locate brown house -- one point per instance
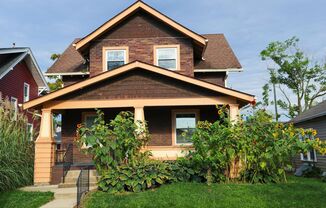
(144, 62)
(313, 118)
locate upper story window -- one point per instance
(167, 56)
(26, 92)
(115, 57)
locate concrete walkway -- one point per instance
(63, 197)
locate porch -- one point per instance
(165, 123)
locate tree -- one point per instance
(297, 73)
(55, 82)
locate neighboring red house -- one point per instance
(21, 79)
(144, 62)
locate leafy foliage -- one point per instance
(215, 147)
(258, 149)
(16, 149)
(297, 73)
(136, 176)
(115, 143)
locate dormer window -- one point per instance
(167, 56)
(115, 57)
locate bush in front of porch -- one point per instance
(256, 150)
(16, 148)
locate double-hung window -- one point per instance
(14, 104)
(30, 131)
(115, 57)
(185, 125)
(167, 57)
(26, 92)
(309, 156)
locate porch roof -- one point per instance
(244, 97)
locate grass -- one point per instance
(298, 192)
(14, 199)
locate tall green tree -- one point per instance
(297, 73)
(55, 82)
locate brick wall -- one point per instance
(140, 33)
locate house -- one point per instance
(141, 61)
(313, 118)
(21, 79)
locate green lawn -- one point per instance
(17, 199)
(298, 192)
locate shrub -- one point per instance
(182, 170)
(312, 172)
(268, 147)
(114, 143)
(257, 148)
(136, 176)
(16, 150)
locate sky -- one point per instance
(48, 26)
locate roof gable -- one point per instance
(314, 112)
(134, 66)
(131, 10)
(12, 56)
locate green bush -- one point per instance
(257, 149)
(312, 172)
(115, 143)
(136, 176)
(16, 150)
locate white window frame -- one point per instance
(26, 98)
(14, 101)
(30, 131)
(308, 154)
(177, 47)
(125, 49)
(174, 124)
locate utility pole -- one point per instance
(272, 73)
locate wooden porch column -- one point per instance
(44, 150)
(234, 112)
(139, 113)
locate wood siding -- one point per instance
(212, 77)
(139, 84)
(140, 33)
(12, 85)
(68, 80)
(320, 125)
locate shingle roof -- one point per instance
(218, 55)
(314, 112)
(69, 61)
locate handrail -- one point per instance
(82, 184)
(67, 160)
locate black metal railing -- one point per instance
(67, 160)
(82, 184)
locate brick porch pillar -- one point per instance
(44, 150)
(234, 112)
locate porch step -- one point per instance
(72, 177)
